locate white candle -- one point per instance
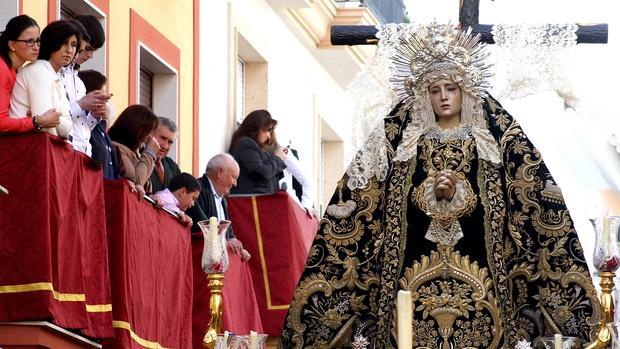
(215, 252)
(606, 227)
(253, 340)
(404, 312)
(557, 341)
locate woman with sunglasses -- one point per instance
(260, 170)
(39, 87)
(19, 43)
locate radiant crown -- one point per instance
(438, 49)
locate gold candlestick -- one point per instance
(603, 337)
(216, 282)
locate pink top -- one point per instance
(168, 199)
(7, 124)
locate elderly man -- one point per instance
(165, 167)
(221, 175)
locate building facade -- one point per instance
(206, 64)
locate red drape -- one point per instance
(151, 268)
(278, 234)
(240, 313)
(53, 248)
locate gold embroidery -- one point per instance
(453, 298)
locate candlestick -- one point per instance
(404, 312)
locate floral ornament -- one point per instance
(360, 342)
(523, 344)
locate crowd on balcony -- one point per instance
(42, 88)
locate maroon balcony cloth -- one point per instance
(53, 245)
(151, 273)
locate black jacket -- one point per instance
(205, 208)
(259, 171)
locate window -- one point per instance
(146, 87)
(72, 8)
(158, 87)
(10, 9)
(251, 72)
(332, 153)
(152, 52)
(240, 91)
(66, 12)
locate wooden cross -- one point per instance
(468, 17)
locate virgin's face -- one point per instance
(64, 54)
(21, 48)
(446, 99)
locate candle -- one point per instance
(215, 252)
(253, 340)
(404, 313)
(606, 227)
(225, 340)
(557, 341)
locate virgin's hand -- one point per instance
(50, 118)
(445, 185)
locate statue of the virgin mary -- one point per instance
(450, 200)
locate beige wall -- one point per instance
(174, 20)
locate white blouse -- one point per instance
(38, 88)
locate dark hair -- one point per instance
(133, 125)
(94, 29)
(80, 27)
(251, 125)
(14, 28)
(92, 79)
(55, 35)
(184, 180)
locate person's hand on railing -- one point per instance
(185, 219)
(137, 189)
(158, 203)
(311, 212)
(235, 245)
(245, 255)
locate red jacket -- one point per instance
(7, 80)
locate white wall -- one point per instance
(214, 84)
(298, 86)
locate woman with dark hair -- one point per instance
(39, 87)
(259, 169)
(133, 128)
(19, 43)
